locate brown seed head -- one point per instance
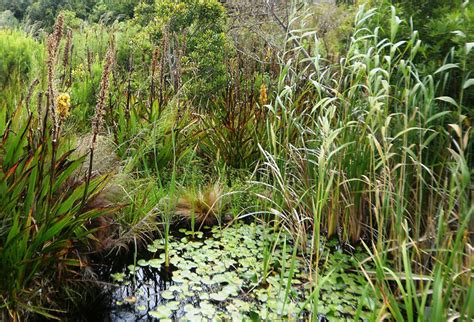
(104, 90)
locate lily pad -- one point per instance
(173, 305)
(118, 277)
(156, 262)
(168, 295)
(221, 296)
(161, 312)
(207, 309)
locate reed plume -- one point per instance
(154, 64)
(27, 105)
(263, 95)
(98, 119)
(53, 47)
(165, 48)
(30, 93)
(67, 53)
(90, 61)
(129, 87)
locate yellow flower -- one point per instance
(79, 71)
(63, 104)
(263, 95)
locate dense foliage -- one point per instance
(18, 52)
(44, 12)
(347, 125)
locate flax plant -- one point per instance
(42, 218)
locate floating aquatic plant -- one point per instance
(211, 275)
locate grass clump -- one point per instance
(352, 153)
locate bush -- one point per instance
(19, 54)
(8, 20)
(194, 32)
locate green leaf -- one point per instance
(447, 99)
(167, 295)
(446, 67)
(468, 83)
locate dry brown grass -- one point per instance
(205, 206)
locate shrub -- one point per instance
(8, 20)
(194, 31)
(19, 56)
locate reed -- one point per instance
(369, 149)
(98, 119)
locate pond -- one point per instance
(218, 275)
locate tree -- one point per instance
(194, 33)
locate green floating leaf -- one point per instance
(152, 248)
(173, 305)
(118, 277)
(178, 278)
(175, 288)
(161, 312)
(207, 309)
(167, 295)
(132, 268)
(230, 290)
(190, 309)
(221, 296)
(156, 262)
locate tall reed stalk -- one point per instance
(372, 149)
(100, 111)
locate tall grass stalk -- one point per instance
(373, 149)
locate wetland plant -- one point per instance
(348, 173)
(373, 148)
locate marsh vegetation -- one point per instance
(196, 160)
